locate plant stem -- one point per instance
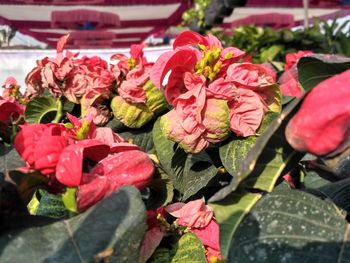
(59, 111)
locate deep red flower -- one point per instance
(40, 146)
(321, 125)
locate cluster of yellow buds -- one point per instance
(209, 65)
(82, 132)
(131, 63)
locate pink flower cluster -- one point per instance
(95, 160)
(10, 102)
(197, 217)
(81, 80)
(210, 91)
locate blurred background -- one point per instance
(266, 29)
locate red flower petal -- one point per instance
(322, 123)
(70, 166)
(189, 38)
(182, 58)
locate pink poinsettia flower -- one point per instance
(199, 218)
(193, 214)
(134, 72)
(208, 90)
(187, 56)
(289, 79)
(293, 58)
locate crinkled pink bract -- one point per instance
(77, 79)
(199, 217)
(209, 89)
(193, 214)
(322, 123)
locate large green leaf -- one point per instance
(189, 172)
(110, 230)
(229, 213)
(41, 110)
(187, 249)
(232, 153)
(316, 68)
(266, 160)
(292, 226)
(338, 191)
(141, 137)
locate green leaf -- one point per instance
(189, 172)
(133, 115)
(161, 255)
(141, 137)
(116, 125)
(291, 226)
(270, 53)
(232, 153)
(110, 230)
(318, 184)
(229, 213)
(189, 249)
(41, 110)
(45, 204)
(316, 68)
(266, 160)
(161, 190)
(69, 200)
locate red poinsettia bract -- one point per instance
(96, 161)
(322, 124)
(289, 78)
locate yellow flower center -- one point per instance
(131, 63)
(83, 131)
(209, 66)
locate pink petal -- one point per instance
(106, 135)
(131, 92)
(209, 235)
(61, 43)
(246, 113)
(213, 41)
(172, 127)
(189, 38)
(176, 85)
(289, 83)
(182, 58)
(193, 214)
(151, 241)
(136, 51)
(221, 89)
(70, 165)
(89, 194)
(132, 167)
